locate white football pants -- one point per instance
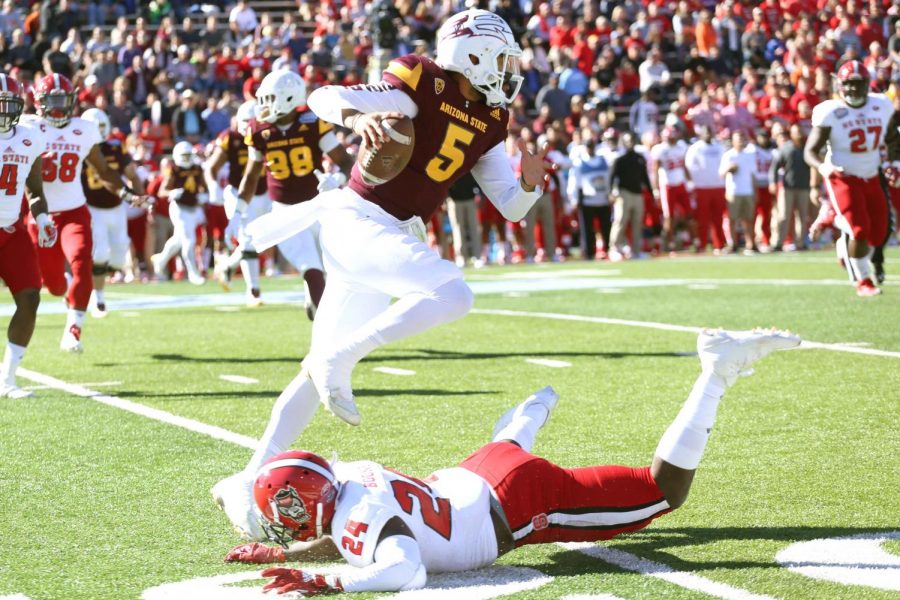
(301, 250)
(185, 220)
(109, 230)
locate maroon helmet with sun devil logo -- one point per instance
(852, 82)
(54, 96)
(296, 492)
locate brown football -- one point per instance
(380, 166)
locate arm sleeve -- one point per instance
(330, 101)
(328, 140)
(496, 178)
(398, 566)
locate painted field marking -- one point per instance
(129, 314)
(394, 371)
(238, 379)
(549, 362)
(228, 309)
(47, 387)
(631, 562)
(516, 294)
(591, 597)
(702, 286)
(853, 348)
(15, 597)
(851, 560)
(606, 290)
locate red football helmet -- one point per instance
(54, 96)
(852, 82)
(296, 493)
(11, 102)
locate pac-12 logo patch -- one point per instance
(841, 113)
(26, 142)
(266, 133)
(76, 131)
(438, 86)
(540, 522)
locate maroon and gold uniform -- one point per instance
(96, 193)
(291, 155)
(191, 181)
(452, 134)
(236, 153)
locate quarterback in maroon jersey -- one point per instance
(372, 237)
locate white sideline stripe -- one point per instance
(238, 379)
(852, 348)
(130, 314)
(139, 409)
(15, 597)
(47, 387)
(591, 597)
(227, 308)
(549, 362)
(394, 371)
(631, 562)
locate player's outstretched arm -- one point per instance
(362, 108)
(512, 197)
(110, 179)
(34, 184)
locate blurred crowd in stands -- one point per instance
(690, 89)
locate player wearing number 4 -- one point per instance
(372, 236)
(70, 142)
(854, 128)
(395, 529)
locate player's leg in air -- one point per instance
(545, 503)
(245, 255)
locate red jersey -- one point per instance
(94, 191)
(291, 155)
(452, 134)
(232, 144)
(190, 180)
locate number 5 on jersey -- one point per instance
(451, 155)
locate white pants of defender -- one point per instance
(370, 257)
(258, 206)
(109, 230)
(302, 250)
(186, 220)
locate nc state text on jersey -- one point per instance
(460, 115)
(15, 158)
(860, 121)
(63, 147)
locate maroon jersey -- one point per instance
(291, 155)
(190, 180)
(232, 144)
(94, 191)
(452, 134)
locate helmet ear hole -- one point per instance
(475, 60)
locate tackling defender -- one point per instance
(20, 171)
(854, 128)
(372, 236)
(395, 529)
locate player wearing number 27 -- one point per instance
(372, 236)
(70, 141)
(855, 127)
(396, 529)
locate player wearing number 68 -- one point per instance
(372, 236)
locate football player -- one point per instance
(290, 141)
(72, 141)
(853, 128)
(184, 187)
(109, 220)
(372, 236)
(20, 169)
(395, 529)
(231, 152)
(668, 176)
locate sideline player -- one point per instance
(71, 142)
(20, 169)
(230, 151)
(290, 141)
(854, 128)
(372, 237)
(109, 219)
(668, 174)
(396, 529)
(185, 189)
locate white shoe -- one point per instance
(546, 397)
(15, 392)
(730, 354)
(71, 340)
(196, 278)
(616, 256)
(234, 495)
(254, 301)
(99, 311)
(332, 383)
(157, 265)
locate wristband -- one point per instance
(42, 220)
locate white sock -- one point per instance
(840, 247)
(11, 359)
(524, 426)
(683, 443)
(234, 259)
(190, 261)
(172, 247)
(99, 296)
(250, 271)
(74, 317)
(861, 267)
(291, 413)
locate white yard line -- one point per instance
(631, 562)
(238, 379)
(549, 362)
(97, 384)
(852, 348)
(394, 371)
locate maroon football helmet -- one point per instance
(54, 96)
(852, 82)
(11, 102)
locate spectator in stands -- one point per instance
(19, 53)
(242, 19)
(572, 80)
(555, 98)
(60, 18)
(216, 116)
(186, 121)
(121, 112)
(706, 35)
(643, 117)
(57, 61)
(252, 84)
(10, 19)
(738, 167)
(794, 193)
(182, 69)
(464, 220)
(736, 118)
(654, 72)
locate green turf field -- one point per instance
(101, 502)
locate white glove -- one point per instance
(828, 168)
(47, 232)
(329, 182)
(202, 198)
(232, 231)
(176, 194)
(233, 203)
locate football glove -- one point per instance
(295, 580)
(233, 203)
(176, 194)
(47, 232)
(255, 554)
(892, 173)
(330, 181)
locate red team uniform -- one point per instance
(673, 194)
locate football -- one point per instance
(382, 165)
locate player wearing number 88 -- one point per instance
(70, 141)
(854, 128)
